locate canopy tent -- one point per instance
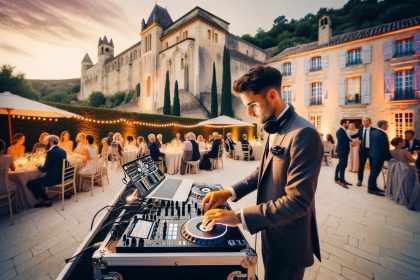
(224, 121)
(11, 104)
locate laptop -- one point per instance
(152, 183)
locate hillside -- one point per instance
(62, 91)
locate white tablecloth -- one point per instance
(128, 156)
(257, 150)
(25, 198)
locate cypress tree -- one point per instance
(167, 100)
(226, 107)
(176, 110)
(214, 105)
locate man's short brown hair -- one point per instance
(257, 79)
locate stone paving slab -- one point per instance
(362, 236)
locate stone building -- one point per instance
(186, 48)
(373, 72)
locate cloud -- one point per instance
(46, 19)
(14, 49)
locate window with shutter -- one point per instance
(287, 94)
(315, 64)
(316, 94)
(404, 47)
(354, 57)
(353, 92)
(404, 85)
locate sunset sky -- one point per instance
(47, 39)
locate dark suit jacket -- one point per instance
(359, 135)
(214, 152)
(154, 151)
(415, 147)
(286, 184)
(53, 166)
(343, 142)
(229, 144)
(379, 146)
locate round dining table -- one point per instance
(21, 177)
(257, 150)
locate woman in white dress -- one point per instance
(353, 163)
(141, 143)
(91, 157)
(201, 143)
(65, 143)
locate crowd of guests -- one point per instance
(355, 146)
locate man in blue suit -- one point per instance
(53, 168)
(343, 150)
(379, 153)
(412, 145)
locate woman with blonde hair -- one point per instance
(141, 143)
(17, 149)
(353, 163)
(81, 146)
(40, 145)
(201, 143)
(65, 143)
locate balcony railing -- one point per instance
(353, 62)
(350, 100)
(315, 102)
(315, 68)
(403, 53)
(406, 94)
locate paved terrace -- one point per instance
(362, 236)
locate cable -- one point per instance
(96, 245)
(94, 217)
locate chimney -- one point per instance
(324, 30)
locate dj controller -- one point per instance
(167, 240)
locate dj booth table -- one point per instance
(150, 239)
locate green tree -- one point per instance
(226, 106)
(97, 99)
(214, 105)
(167, 97)
(16, 83)
(76, 88)
(176, 110)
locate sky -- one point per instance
(47, 39)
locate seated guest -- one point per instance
(117, 144)
(110, 136)
(191, 152)
(155, 153)
(230, 145)
(201, 143)
(213, 153)
(6, 159)
(245, 144)
(92, 156)
(177, 139)
(65, 143)
(402, 184)
(106, 148)
(210, 139)
(53, 168)
(17, 149)
(130, 144)
(141, 143)
(80, 144)
(159, 141)
(40, 145)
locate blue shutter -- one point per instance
(307, 94)
(366, 88)
(417, 43)
(324, 61)
(417, 75)
(367, 54)
(342, 58)
(341, 91)
(307, 65)
(388, 49)
(389, 85)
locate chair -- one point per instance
(10, 195)
(93, 177)
(160, 165)
(246, 152)
(116, 157)
(68, 182)
(215, 161)
(104, 166)
(191, 164)
(385, 173)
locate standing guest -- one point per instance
(53, 168)
(141, 143)
(213, 153)
(17, 149)
(245, 144)
(65, 143)
(200, 142)
(354, 149)
(117, 144)
(230, 144)
(40, 145)
(92, 156)
(191, 152)
(412, 145)
(343, 150)
(364, 135)
(130, 144)
(155, 153)
(110, 136)
(379, 153)
(106, 148)
(159, 141)
(399, 153)
(285, 181)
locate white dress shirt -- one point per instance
(367, 140)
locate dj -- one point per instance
(286, 181)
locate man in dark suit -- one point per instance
(159, 140)
(343, 149)
(379, 153)
(364, 135)
(53, 168)
(153, 146)
(412, 144)
(229, 144)
(213, 153)
(285, 181)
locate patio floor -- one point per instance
(362, 236)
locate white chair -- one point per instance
(215, 161)
(116, 157)
(104, 167)
(93, 177)
(193, 164)
(246, 152)
(68, 182)
(9, 196)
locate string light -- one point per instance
(34, 118)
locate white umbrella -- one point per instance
(224, 121)
(11, 104)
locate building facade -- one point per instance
(187, 48)
(373, 72)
